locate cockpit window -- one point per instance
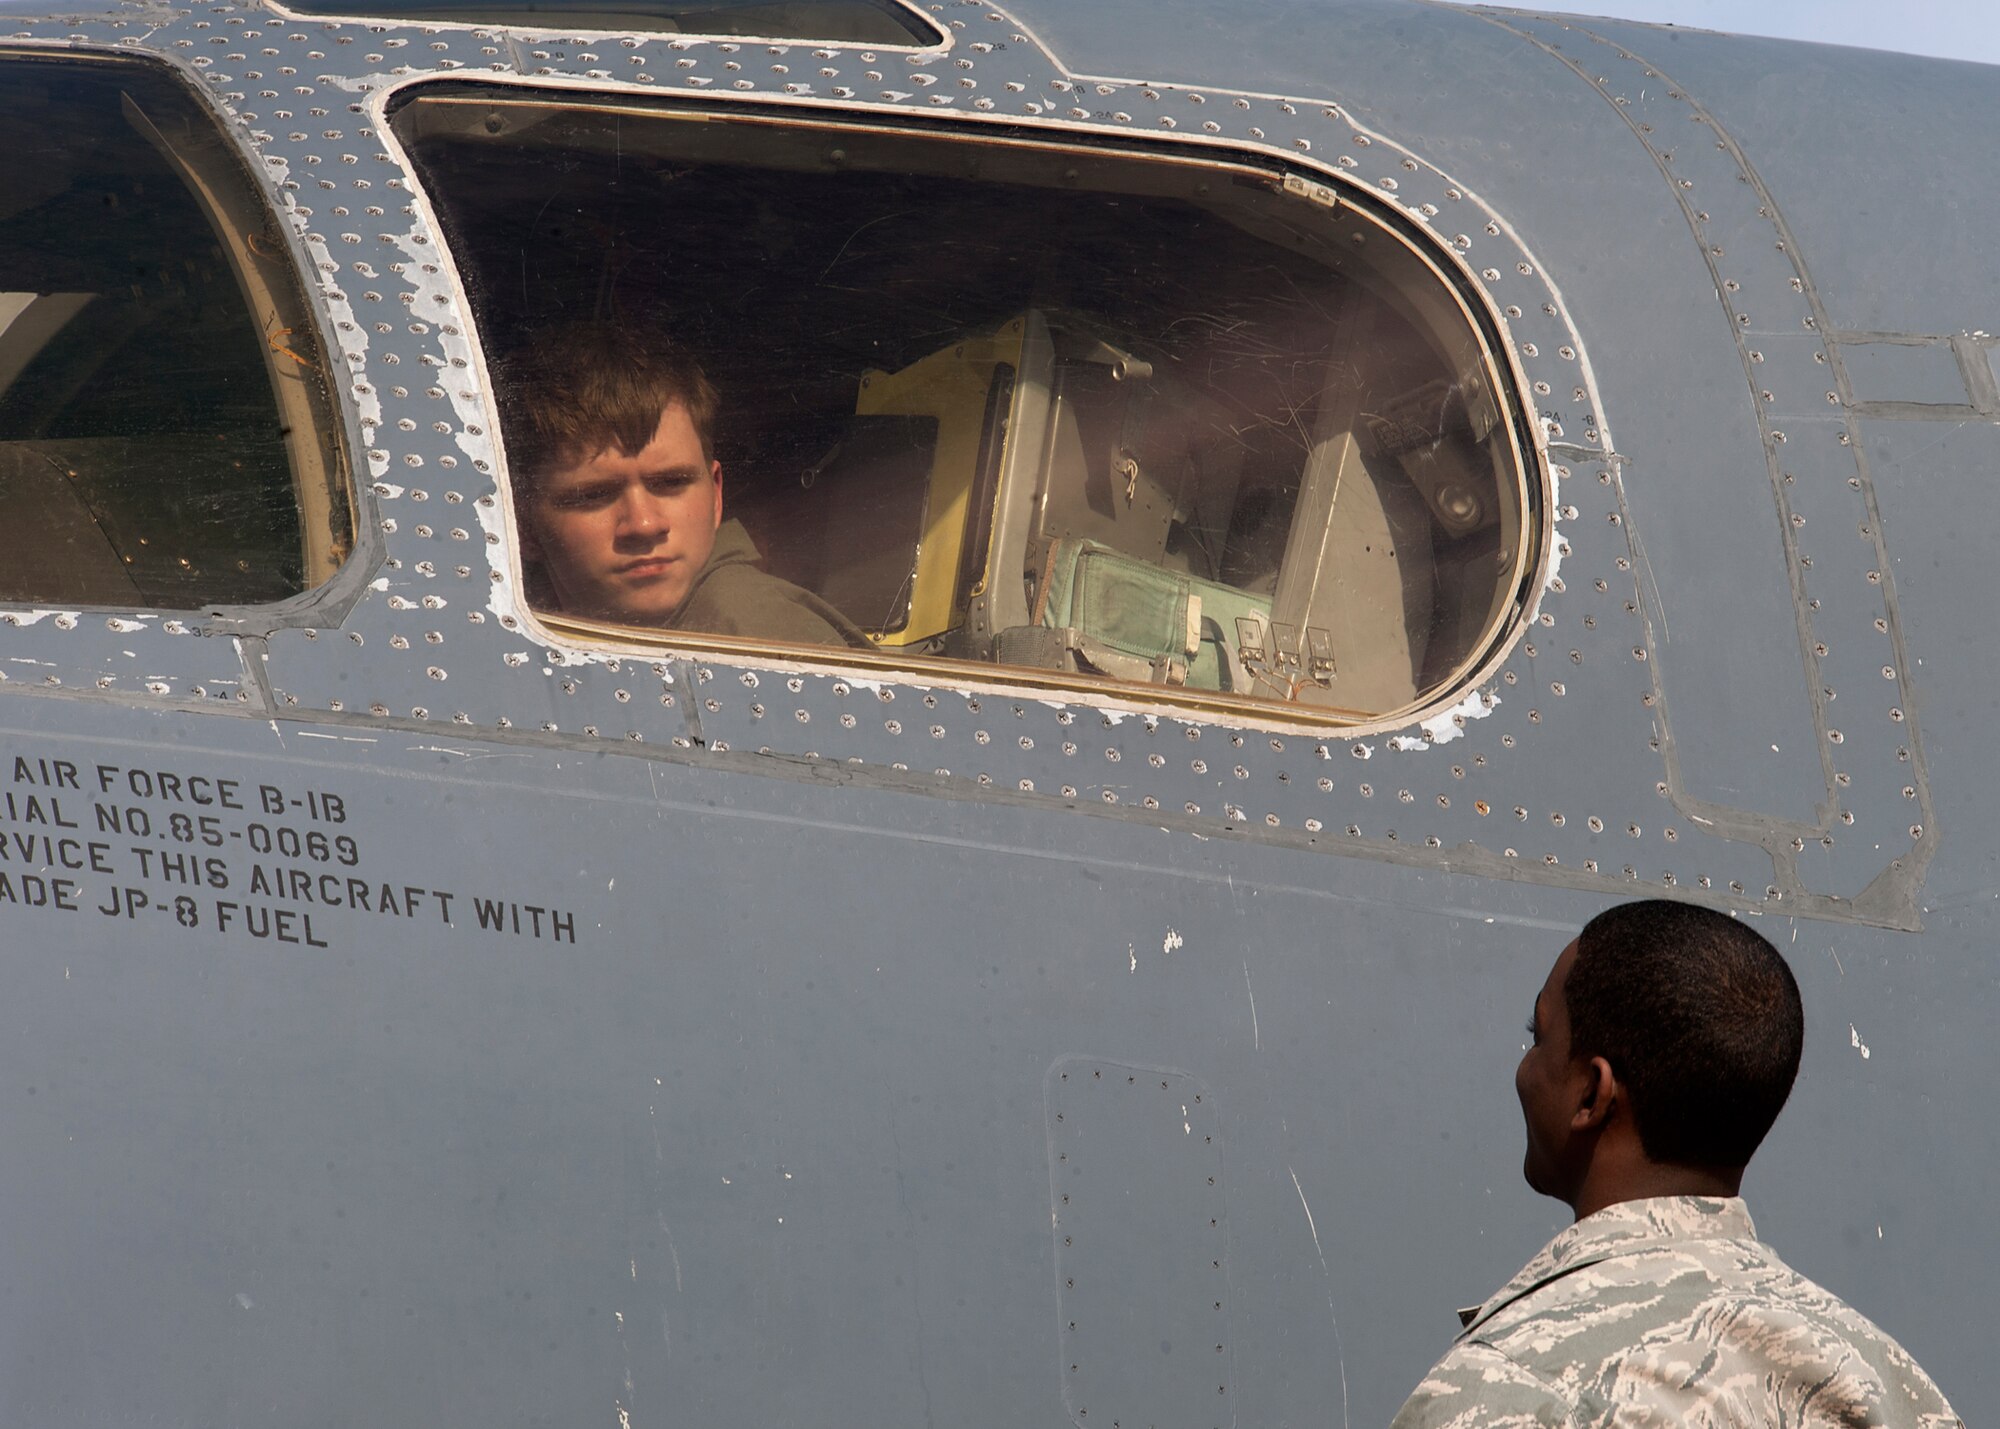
(856, 22)
(1089, 414)
(165, 433)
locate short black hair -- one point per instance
(1698, 1016)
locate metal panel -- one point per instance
(766, 1143)
(1914, 135)
(1137, 1202)
(1934, 479)
(447, 612)
(1922, 371)
(675, 1143)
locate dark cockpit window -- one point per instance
(165, 434)
(857, 22)
(1088, 414)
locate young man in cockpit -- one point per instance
(610, 439)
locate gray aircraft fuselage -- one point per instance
(414, 1020)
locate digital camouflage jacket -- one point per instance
(1670, 1312)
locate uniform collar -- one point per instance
(732, 544)
(1617, 1230)
(733, 547)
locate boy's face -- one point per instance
(623, 537)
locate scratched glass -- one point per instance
(165, 436)
(1148, 416)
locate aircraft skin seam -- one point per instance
(312, 659)
(1683, 799)
(1901, 880)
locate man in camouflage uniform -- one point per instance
(1665, 1041)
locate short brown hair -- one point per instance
(577, 390)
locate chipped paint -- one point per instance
(352, 340)
(1291, 801)
(1491, 259)
(1854, 1041)
(427, 270)
(432, 270)
(467, 753)
(1446, 725)
(1449, 724)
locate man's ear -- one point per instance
(1599, 1096)
(715, 475)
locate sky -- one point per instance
(1955, 29)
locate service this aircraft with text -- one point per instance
(1334, 494)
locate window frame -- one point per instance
(552, 23)
(1328, 188)
(331, 584)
